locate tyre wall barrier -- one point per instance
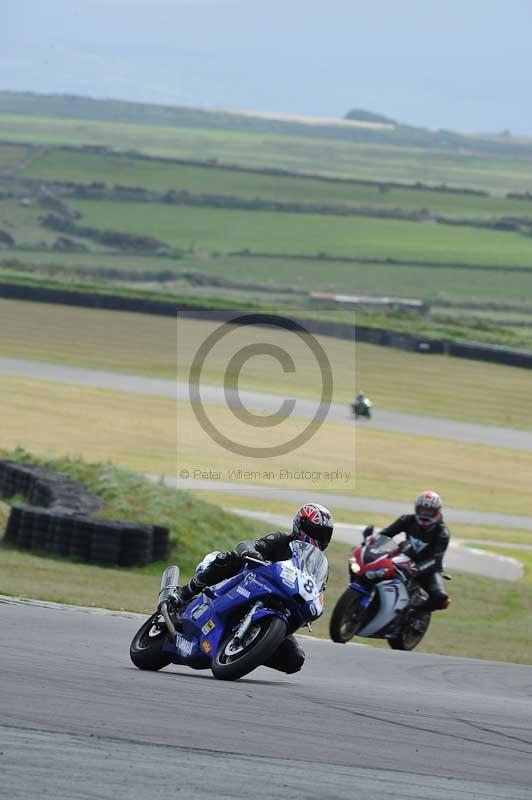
(57, 520)
(474, 351)
(490, 352)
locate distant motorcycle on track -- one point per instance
(362, 407)
(237, 625)
(381, 599)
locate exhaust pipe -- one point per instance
(169, 584)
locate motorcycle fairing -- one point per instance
(393, 599)
(206, 618)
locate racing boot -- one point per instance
(428, 606)
(180, 599)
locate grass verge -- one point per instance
(195, 526)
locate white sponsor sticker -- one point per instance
(183, 645)
(289, 575)
(243, 592)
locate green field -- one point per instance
(22, 223)
(499, 174)
(83, 167)
(222, 230)
(13, 157)
(439, 263)
(489, 285)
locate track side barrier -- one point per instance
(57, 519)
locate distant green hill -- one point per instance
(85, 108)
(360, 115)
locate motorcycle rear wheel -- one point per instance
(234, 659)
(344, 622)
(410, 637)
(146, 651)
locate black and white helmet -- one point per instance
(428, 509)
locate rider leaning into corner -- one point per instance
(313, 523)
(427, 539)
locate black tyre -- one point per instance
(345, 619)
(235, 659)
(146, 649)
(412, 633)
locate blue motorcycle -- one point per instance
(238, 624)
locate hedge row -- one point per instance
(58, 521)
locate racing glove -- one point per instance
(248, 550)
(406, 548)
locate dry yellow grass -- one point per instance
(385, 465)
(144, 434)
(133, 431)
(145, 345)
(4, 514)
(118, 341)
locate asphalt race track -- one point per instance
(413, 424)
(78, 721)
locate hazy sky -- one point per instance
(460, 64)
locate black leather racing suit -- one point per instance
(427, 548)
(290, 656)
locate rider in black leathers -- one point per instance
(427, 539)
(312, 523)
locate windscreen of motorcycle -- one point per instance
(311, 561)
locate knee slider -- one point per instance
(440, 600)
(295, 664)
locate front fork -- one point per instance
(246, 622)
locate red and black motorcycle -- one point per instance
(382, 597)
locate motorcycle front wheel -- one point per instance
(411, 633)
(344, 620)
(146, 649)
(236, 658)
